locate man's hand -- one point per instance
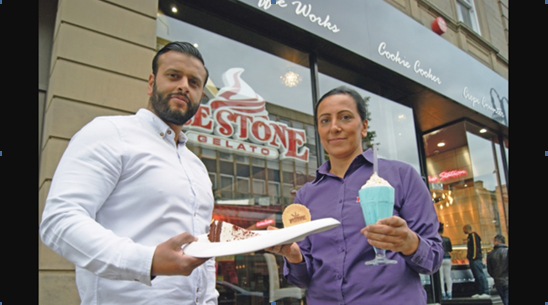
(392, 234)
(292, 252)
(169, 258)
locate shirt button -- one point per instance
(197, 289)
(169, 132)
(161, 134)
(339, 276)
(196, 300)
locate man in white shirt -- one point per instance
(127, 194)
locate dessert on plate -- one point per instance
(294, 214)
(221, 231)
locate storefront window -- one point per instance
(391, 125)
(254, 132)
(464, 172)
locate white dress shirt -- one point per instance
(121, 188)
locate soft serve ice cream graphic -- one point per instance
(236, 115)
(238, 95)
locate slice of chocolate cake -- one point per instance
(220, 231)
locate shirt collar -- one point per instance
(360, 159)
(160, 127)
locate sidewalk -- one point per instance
(495, 300)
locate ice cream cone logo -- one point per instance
(236, 119)
(238, 95)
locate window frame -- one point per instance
(471, 7)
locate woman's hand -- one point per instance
(392, 234)
(292, 252)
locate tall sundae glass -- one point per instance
(377, 202)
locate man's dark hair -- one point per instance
(501, 239)
(360, 102)
(182, 47)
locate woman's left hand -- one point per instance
(392, 234)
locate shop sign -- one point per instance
(404, 63)
(304, 10)
(445, 175)
(489, 104)
(378, 31)
(264, 223)
(236, 119)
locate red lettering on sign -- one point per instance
(259, 128)
(202, 119)
(224, 127)
(202, 139)
(447, 175)
(242, 123)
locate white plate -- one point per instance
(267, 238)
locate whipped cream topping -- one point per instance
(375, 180)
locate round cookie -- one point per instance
(295, 214)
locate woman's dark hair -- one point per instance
(182, 47)
(360, 102)
(440, 229)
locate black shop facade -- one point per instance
(429, 104)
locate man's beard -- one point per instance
(160, 104)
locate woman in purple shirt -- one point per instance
(330, 264)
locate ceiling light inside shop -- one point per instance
(174, 9)
(291, 79)
(441, 144)
(483, 130)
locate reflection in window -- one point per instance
(465, 183)
(209, 153)
(490, 191)
(391, 123)
(226, 156)
(249, 188)
(227, 186)
(243, 185)
(259, 186)
(227, 167)
(274, 192)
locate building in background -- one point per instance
(435, 75)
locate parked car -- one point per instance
(234, 295)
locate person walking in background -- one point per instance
(474, 257)
(445, 269)
(497, 266)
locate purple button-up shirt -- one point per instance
(333, 270)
